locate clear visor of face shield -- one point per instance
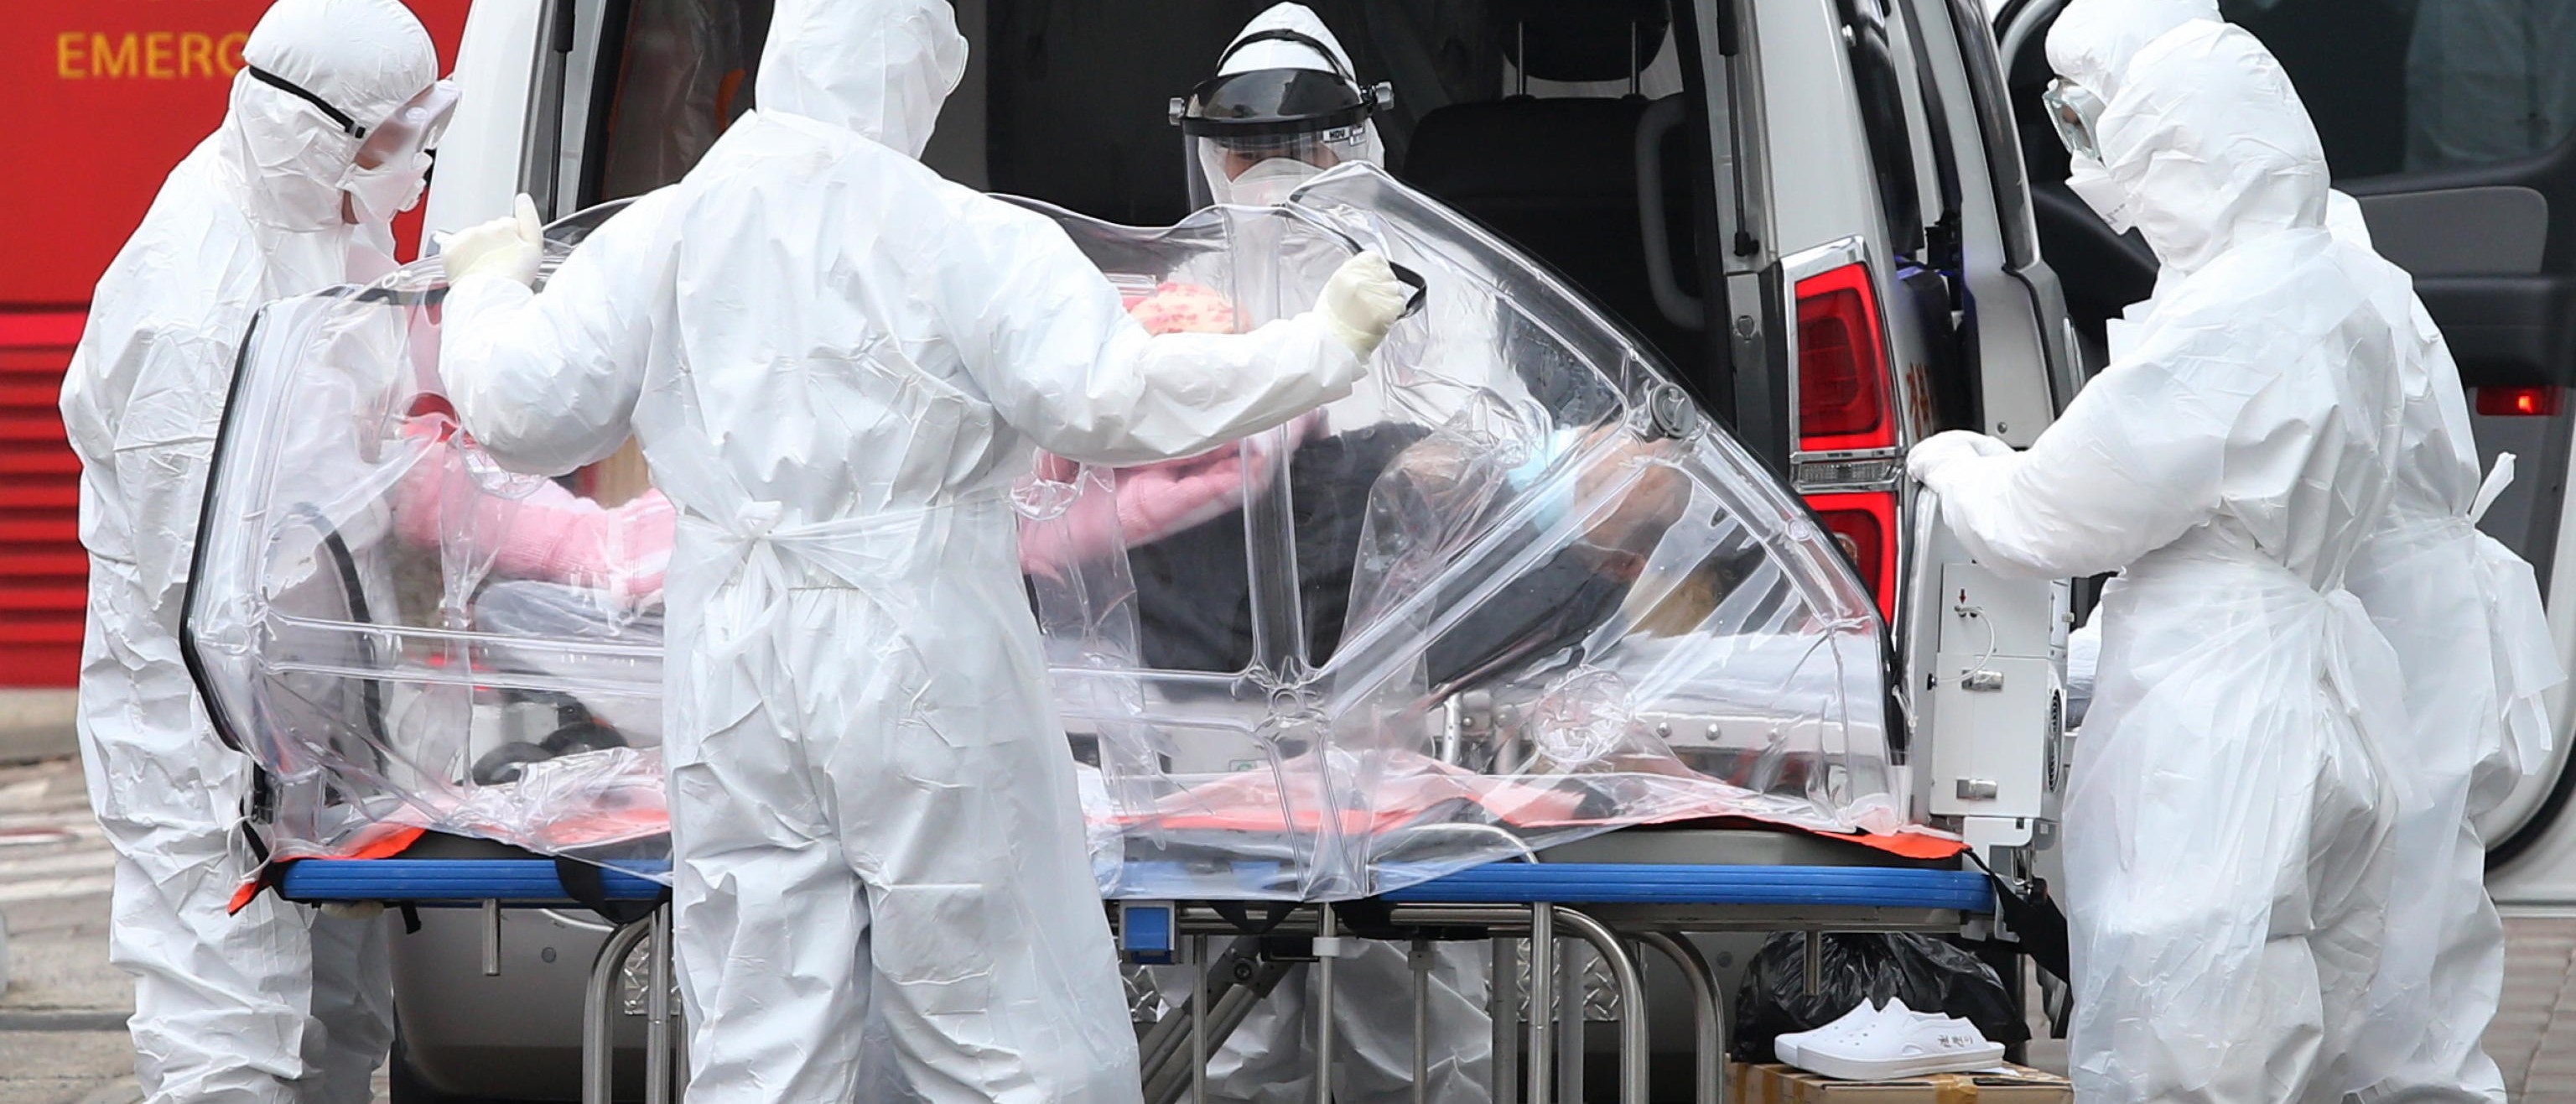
(2074, 110)
(1261, 171)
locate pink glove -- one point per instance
(1152, 501)
(552, 534)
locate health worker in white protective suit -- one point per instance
(2228, 823)
(2477, 723)
(837, 364)
(2465, 615)
(1286, 104)
(324, 142)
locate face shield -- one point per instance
(1254, 136)
(1261, 170)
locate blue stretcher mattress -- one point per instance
(1666, 884)
(533, 881)
(447, 882)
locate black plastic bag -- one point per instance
(1926, 973)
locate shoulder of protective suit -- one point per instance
(195, 250)
(781, 149)
(2262, 308)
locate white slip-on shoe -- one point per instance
(1896, 1043)
(1787, 1046)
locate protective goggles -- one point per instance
(2074, 111)
(414, 127)
(411, 128)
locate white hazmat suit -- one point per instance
(837, 364)
(2227, 825)
(276, 1003)
(1270, 1059)
(2472, 638)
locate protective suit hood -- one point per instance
(2206, 146)
(1281, 54)
(282, 155)
(2093, 42)
(881, 68)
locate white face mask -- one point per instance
(2092, 183)
(1269, 182)
(380, 193)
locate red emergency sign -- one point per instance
(120, 90)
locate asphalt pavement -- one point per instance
(62, 1018)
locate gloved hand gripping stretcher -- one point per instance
(1512, 592)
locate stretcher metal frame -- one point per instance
(496, 884)
(1621, 910)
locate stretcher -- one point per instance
(1618, 909)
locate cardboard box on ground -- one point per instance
(1773, 1084)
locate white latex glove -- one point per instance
(1361, 302)
(510, 246)
(1942, 449)
(354, 910)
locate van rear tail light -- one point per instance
(1846, 404)
(1863, 525)
(1844, 391)
(2519, 402)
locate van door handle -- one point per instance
(1678, 307)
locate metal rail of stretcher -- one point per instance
(1621, 909)
(496, 884)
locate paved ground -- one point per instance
(62, 1038)
(62, 1018)
(35, 725)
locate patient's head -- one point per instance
(1458, 476)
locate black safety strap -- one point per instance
(582, 882)
(298, 91)
(260, 808)
(1421, 288)
(2035, 919)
